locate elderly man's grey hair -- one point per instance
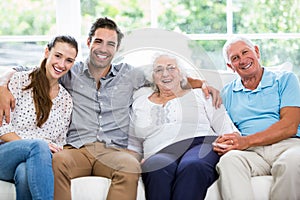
(149, 70)
(234, 40)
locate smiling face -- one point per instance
(60, 59)
(103, 47)
(244, 59)
(166, 74)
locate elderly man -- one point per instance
(265, 108)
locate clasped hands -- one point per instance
(228, 142)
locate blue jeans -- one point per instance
(28, 164)
(183, 170)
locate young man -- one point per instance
(98, 134)
(265, 107)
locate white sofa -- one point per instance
(95, 188)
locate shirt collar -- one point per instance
(266, 81)
(85, 68)
(114, 70)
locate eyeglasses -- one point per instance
(160, 69)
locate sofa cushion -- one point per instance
(96, 188)
(261, 186)
(92, 188)
(7, 191)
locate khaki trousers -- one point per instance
(95, 159)
(281, 160)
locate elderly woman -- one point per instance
(173, 128)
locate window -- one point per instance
(24, 26)
(272, 24)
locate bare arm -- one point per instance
(7, 101)
(207, 90)
(10, 137)
(285, 128)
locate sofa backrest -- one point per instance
(219, 78)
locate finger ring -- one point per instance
(231, 141)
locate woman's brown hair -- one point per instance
(40, 84)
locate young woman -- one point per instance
(39, 122)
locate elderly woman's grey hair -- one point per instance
(149, 71)
(233, 40)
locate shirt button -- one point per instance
(100, 117)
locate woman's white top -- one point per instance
(23, 118)
(155, 126)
